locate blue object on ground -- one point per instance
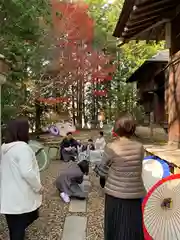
(165, 166)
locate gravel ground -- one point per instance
(52, 214)
(95, 210)
(53, 211)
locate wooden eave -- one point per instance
(158, 61)
(144, 17)
(123, 18)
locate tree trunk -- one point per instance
(80, 102)
(83, 105)
(38, 113)
(73, 106)
(109, 100)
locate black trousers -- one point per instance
(102, 182)
(17, 224)
(123, 219)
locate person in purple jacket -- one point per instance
(68, 182)
(68, 148)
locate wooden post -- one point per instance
(151, 123)
(173, 101)
(173, 89)
(168, 35)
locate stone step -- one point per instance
(77, 206)
(80, 205)
(75, 228)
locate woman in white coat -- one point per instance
(21, 189)
(100, 142)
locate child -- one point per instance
(68, 181)
(90, 146)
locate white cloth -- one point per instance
(100, 143)
(96, 156)
(20, 179)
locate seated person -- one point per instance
(89, 146)
(100, 142)
(68, 148)
(68, 181)
(80, 146)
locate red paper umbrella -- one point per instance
(100, 92)
(101, 78)
(161, 210)
(108, 78)
(105, 71)
(110, 69)
(54, 100)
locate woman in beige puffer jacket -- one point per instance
(124, 188)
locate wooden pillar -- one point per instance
(173, 88)
(173, 98)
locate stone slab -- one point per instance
(77, 206)
(75, 228)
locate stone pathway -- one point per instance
(75, 226)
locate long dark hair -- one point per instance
(17, 130)
(84, 166)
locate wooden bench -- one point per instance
(171, 154)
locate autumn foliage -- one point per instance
(73, 21)
(74, 56)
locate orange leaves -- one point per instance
(101, 93)
(73, 31)
(72, 21)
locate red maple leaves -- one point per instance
(73, 33)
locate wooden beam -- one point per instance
(134, 24)
(158, 12)
(145, 3)
(142, 21)
(140, 28)
(123, 18)
(135, 35)
(155, 5)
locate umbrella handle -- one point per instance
(38, 151)
(167, 204)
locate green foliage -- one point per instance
(122, 96)
(25, 42)
(23, 29)
(134, 54)
(105, 15)
(20, 26)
